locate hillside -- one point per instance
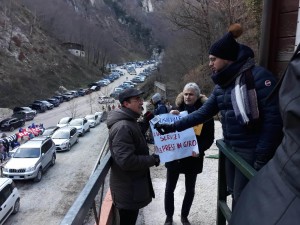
(34, 63)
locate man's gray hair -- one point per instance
(194, 87)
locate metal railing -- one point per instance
(223, 211)
(86, 199)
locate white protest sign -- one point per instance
(175, 145)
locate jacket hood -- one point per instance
(180, 100)
(121, 114)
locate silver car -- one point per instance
(93, 119)
(64, 138)
(31, 159)
(81, 124)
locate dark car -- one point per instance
(59, 97)
(10, 124)
(46, 103)
(54, 101)
(95, 88)
(39, 107)
(25, 115)
(81, 92)
(24, 108)
(50, 130)
(67, 97)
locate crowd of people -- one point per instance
(251, 123)
(24, 134)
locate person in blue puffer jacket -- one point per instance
(251, 126)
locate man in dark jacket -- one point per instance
(130, 180)
(251, 126)
(189, 100)
(273, 195)
(159, 106)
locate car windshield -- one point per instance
(61, 134)
(89, 117)
(47, 132)
(76, 122)
(63, 121)
(27, 153)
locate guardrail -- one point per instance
(223, 211)
(95, 186)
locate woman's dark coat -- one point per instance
(194, 165)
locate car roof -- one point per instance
(3, 181)
(66, 128)
(52, 127)
(33, 143)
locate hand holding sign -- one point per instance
(164, 128)
(169, 144)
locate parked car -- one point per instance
(137, 80)
(9, 124)
(39, 107)
(81, 124)
(95, 88)
(54, 101)
(31, 159)
(65, 138)
(101, 115)
(50, 130)
(9, 200)
(74, 93)
(24, 108)
(64, 121)
(46, 103)
(67, 97)
(115, 94)
(105, 99)
(93, 119)
(24, 115)
(59, 97)
(81, 92)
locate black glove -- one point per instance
(164, 128)
(157, 160)
(260, 161)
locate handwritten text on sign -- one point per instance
(175, 145)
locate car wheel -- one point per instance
(83, 133)
(53, 160)
(39, 176)
(11, 129)
(77, 140)
(69, 147)
(89, 129)
(16, 206)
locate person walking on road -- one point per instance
(251, 126)
(189, 100)
(130, 181)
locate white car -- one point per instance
(81, 124)
(10, 199)
(64, 121)
(93, 119)
(64, 138)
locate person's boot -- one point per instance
(169, 221)
(185, 221)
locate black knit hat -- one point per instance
(227, 47)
